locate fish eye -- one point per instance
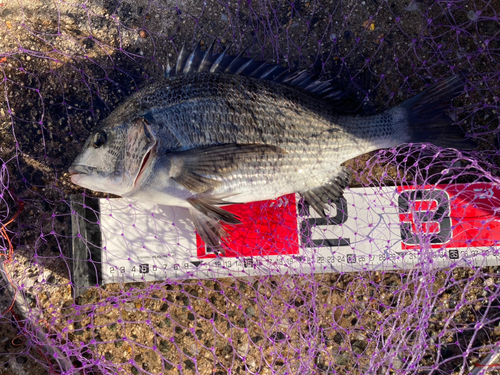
(100, 139)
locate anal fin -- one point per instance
(318, 198)
(208, 218)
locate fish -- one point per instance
(220, 129)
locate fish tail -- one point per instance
(427, 118)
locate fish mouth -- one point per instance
(79, 169)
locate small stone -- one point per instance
(143, 34)
(342, 360)
(199, 334)
(412, 7)
(189, 364)
(21, 360)
(223, 17)
(472, 15)
(358, 346)
(167, 365)
(338, 338)
(278, 336)
(250, 311)
(78, 329)
(190, 316)
(164, 346)
(256, 339)
(243, 349)
(397, 364)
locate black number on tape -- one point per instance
(439, 215)
(307, 225)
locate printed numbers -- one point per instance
(248, 262)
(307, 226)
(113, 270)
(432, 221)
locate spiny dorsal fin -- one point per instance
(199, 61)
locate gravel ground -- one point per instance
(70, 64)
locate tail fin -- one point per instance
(427, 116)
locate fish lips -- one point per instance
(77, 171)
(81, 175)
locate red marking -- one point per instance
(3, 59)
(267, 228)
(425, 205)
(473, 212)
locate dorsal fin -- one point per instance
(199, 61)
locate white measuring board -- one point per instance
(368, 229)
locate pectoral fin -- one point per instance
(200, 169)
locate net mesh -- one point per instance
(416, 307)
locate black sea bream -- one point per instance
(221, 129)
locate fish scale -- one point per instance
(312, 134)
(220, 129)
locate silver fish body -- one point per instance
(209, 138)
(217, 109)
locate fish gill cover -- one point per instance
(414, 291)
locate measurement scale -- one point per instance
(120, 241)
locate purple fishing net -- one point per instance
(402, 280)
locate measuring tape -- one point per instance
(367, 229)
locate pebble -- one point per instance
(277, 336)
(412, 7)
(223, 17)
(397, 363)
(143, 34)
(251, 362)
(243, 349)
(21, 360)
(250, 311)
(342, 360)
(472, 15)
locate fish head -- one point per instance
(114, 158)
